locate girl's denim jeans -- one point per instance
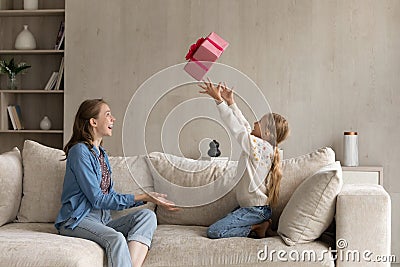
(238, 223)
(113, 235)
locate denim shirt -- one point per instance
(81, 190)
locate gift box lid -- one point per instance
(211, 49)
(215, 38)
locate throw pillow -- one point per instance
(193, 185)
(11, 185)
(311, 208)
(44, 172)
(295, 171)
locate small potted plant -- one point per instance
(12, 70)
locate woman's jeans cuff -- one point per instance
(141, 239)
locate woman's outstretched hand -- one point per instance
(212, 90)
(161, 200)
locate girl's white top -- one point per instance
(254, 161)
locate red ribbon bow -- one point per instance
(193, 48)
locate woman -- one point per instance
(88, 194)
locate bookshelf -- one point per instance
(34, 101)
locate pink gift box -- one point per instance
(202, 55)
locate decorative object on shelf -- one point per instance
(350, 149)
(45, 123)
(12, 70)
(214, 151)
(31, 4)
(5, 4)
(25, 40)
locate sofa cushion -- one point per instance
(44, 170)
(295, 171)
(38, 244)
(311, 208)
(11, 185)
(131, 176)
(179, 245)
(192, 185)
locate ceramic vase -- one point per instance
(25, 40)
(31, 4)
(214, 151)
(45, 123)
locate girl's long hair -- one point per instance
(82, 131)
(277, 129)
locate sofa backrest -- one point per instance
(168, 169)
(44, 174)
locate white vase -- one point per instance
(45, 123)
(31, 4)
(25, 40)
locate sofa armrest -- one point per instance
(363, 225)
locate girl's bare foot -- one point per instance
(261, 229)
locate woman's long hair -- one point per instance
(82, 131)
(276, 130)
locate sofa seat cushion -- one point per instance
(38, 244)
(179, 245)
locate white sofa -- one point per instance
(29, 204)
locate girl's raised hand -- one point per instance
(227, 94)
(211, 90)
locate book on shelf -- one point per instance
(52, 81)
(60, 36)
(60, 75)
(19, 114)
(15, 114)
(11, 116)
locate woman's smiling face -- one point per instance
(104, 123)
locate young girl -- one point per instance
(258, 188)
(88, 194)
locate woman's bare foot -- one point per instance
(261, 229)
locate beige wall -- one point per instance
(328, 66)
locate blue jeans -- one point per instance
(238, 223)
(112, 235)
